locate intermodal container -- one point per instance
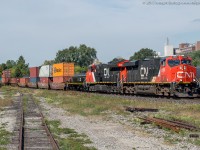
(34, 80)
(45, 79)
(57, 86)
(6, 74)
(13, 80)
(45, 71)
(5, 80)
(24, 80)
(43, 85)
(63, 69)
(61, 79)
(32, 84)
(34, 72)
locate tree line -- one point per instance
(18, 68)
(82, 56)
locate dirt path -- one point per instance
(110, 135)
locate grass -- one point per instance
(68, 139)
(91, 104)
(5, 102)
(4, 140)
(87, 104)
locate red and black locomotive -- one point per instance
(169, 76)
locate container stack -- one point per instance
(6, 74)
(13, 81)
(23, 82)
(34, 77)
(45, 75)
(62, 73)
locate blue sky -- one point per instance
(37, 29)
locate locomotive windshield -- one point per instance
(173, 63)
(186, 61)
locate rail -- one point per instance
(33, 136)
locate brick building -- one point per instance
(185, 48)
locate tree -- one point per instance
(21, 69)
(195, 57)
(143, 53)
(116, 59)
(10, 64)
(2, 67)
(81, 56)
(48, 62)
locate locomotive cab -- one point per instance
(176, 69)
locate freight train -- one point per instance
(169, 76)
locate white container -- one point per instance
(45, 71)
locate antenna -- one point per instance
(167, 41)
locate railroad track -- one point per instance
(31, 128)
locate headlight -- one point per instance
(185, 67)
(181, 67)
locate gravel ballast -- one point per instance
(112, 134)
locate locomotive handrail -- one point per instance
(198, 82)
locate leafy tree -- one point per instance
(117, 59)
(79, 69)
(21, 69)
(48, 62)
(81, 56)
(2, 67)
(195, 57)
(143, 53)
(10, 64)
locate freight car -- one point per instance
(170, 76)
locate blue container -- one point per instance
(0, 79)
(34, 80)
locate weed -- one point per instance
(72, 140)
(4, 140)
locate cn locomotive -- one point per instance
(169, 76)
(172, 76)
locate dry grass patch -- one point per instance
(88, 104)
(5, 102)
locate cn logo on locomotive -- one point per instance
(144, 72)
(181, 74)
(106, 73)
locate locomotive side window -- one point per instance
(163, 62)
(186, 62)
(173, 63)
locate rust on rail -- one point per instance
(135, 109)
(173, 125)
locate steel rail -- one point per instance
(53, 141)
(174, 125)
(21, 141)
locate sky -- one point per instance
(37, 29)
